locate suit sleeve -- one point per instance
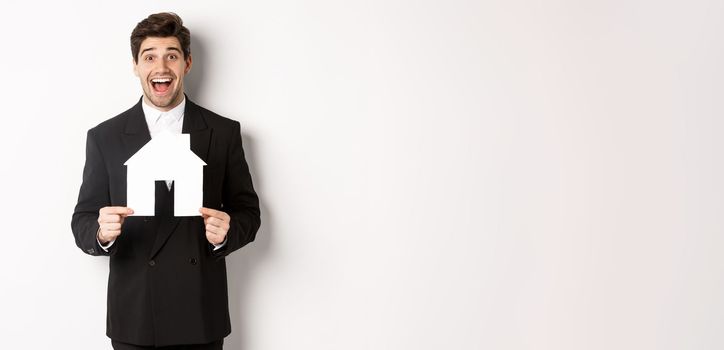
(94, 194)
(239, 199)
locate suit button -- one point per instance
(193, 261)
(152, 263)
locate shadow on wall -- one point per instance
(195, 79)
(240, 265)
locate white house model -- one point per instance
(166, 157)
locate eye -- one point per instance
(172, 57)
(148, 58)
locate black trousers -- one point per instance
(217, 345)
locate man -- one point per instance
(167, 282)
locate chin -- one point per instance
(164, 102)
(161, 102)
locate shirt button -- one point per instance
(152, 263)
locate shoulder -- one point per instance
(223, 128)
(114, 125)
(215, 120)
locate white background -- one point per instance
(433, 174)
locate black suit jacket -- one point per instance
(166, 284)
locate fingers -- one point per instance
(214, 238)
(111, 226)
(116, 210)
(207, 212)
(217, 224)
(113, 214)
(109, 232)
(110, 220)
(217, 230)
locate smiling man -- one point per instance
(167, 282)
(161, 65)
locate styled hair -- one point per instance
(164, 24)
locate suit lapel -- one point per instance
(166, 227)
(195, 125)
(136, 133)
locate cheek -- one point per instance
(180, 70)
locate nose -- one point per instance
(162, 65)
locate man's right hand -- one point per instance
(110, 220)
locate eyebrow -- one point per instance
(170, 48)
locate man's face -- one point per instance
(161, 69)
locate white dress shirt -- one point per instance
(157, 120)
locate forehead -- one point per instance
(158, 43)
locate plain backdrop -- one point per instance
(511, 174)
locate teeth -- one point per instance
(161, 80)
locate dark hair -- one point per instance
(164, 24)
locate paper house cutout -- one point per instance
(167, 156)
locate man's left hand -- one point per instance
(217, 224)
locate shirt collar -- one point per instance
(153, 114)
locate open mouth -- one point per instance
(161, 85)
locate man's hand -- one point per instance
(110, 220)
(217, 225)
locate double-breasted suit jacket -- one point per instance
(167, 285)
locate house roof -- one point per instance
(166, 149)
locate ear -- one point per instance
(135, 68)
(189, 62)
